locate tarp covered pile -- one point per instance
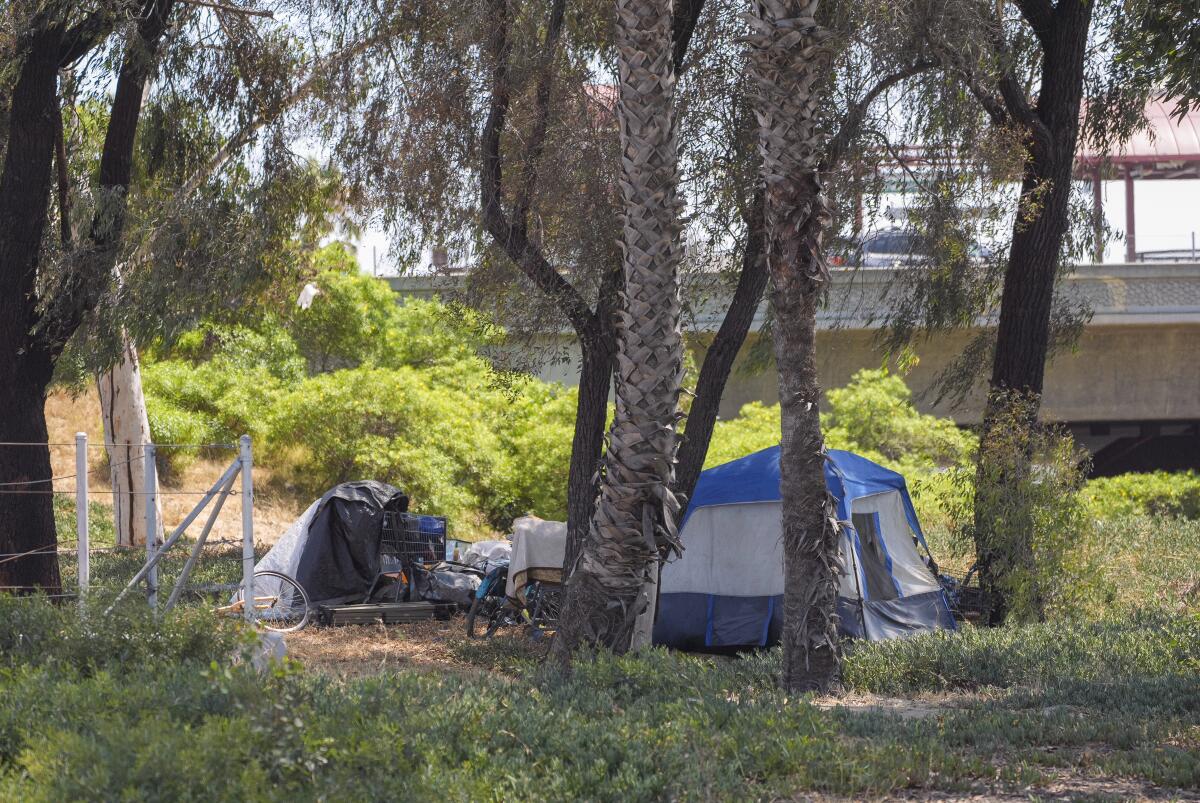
(332, 550)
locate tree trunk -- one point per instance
(26, 502)
(126, 430)
(26, 511)
(810, 537)
(591, 414)
(789, 64)
(635, 515)
(721, 354)
(32, 334)
(1023, 331)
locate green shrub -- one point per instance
(537, 431)
(358, 387)
(756, 427)
(355, 321)
(1159, 493)
(874, 416)
(455, 443)
(1029, 655)
(171, 424)
(172, 717)
(231, 398)
(36, 633)
(1029, 517)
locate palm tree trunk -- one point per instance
(789, 64)
(634, 522)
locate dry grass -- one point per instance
(274, 507)
(919, 706)
(363, 650)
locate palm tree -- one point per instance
(790, 65)
(634, 521)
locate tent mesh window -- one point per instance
(408, 537)
(874, 558)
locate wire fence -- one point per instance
(117, 562)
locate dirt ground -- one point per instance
(357, 650)
(274, 507)
(437, 646)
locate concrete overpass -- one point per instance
(1130, 390)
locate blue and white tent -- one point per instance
(727, 588)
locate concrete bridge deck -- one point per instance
(1130, 389)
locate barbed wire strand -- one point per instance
(62, 549)
(106, 445)
(71, 492)
(36, 482)
(97, 471)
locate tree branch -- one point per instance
(91, 266)
(1016, 101)
(990, 103)
(852, 122)
(249, 12)
(510, 238)
(537, 139)
(64, 180)
(79, 40)
(244, 134)
(723, 351)
(683, 25)
(1040, 16)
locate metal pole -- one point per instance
(151, 490)
(247, 461)
(1130, 220)
(84, 569)
(196, 550)
(222, 486)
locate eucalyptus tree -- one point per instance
(217, 154)
(1158, 46)
(44, 297)
(60, 290)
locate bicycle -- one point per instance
(280, 603)
(491, 609)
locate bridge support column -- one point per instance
(1130, 219)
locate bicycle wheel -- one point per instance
(543, 602)
(484, 617)
(280, 603)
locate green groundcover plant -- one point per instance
(96, 708)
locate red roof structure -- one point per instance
(1169, 149)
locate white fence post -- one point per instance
(247, 528)
(151, 489)
(81, 514)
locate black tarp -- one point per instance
(341, 554)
